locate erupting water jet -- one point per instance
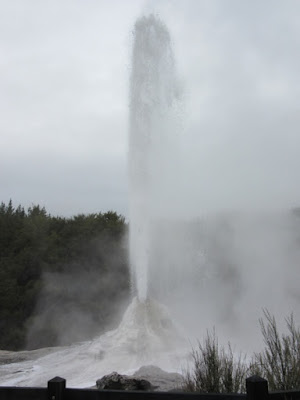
(153, 94)
(146, 333)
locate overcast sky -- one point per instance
(64, 70)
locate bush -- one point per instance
(214, 369)
(279, 362)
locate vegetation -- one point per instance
(57, 274)
(215, 370)
(279, 362)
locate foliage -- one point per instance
(214, 369)
(279, 362)
(58, 276)
(38, 250)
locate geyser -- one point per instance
(153, 94)
(146, 334)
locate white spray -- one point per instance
(146, 334)
(153, 92)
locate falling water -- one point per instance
(153, 94)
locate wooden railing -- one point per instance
(256, 387)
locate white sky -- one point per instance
(64, 69)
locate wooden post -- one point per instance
(56, 388)
(257, 388)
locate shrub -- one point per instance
(214, 369)
(279, 362)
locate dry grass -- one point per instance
(216, 370)
(279, 362)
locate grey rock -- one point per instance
(147, 377)
(115, 381)
(160, 379)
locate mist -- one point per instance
(224, 240)
(222, 233)
(85, 297)
(222, 271)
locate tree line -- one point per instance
(61, 279)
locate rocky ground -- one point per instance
(159, 379)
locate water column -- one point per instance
(152, 93)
